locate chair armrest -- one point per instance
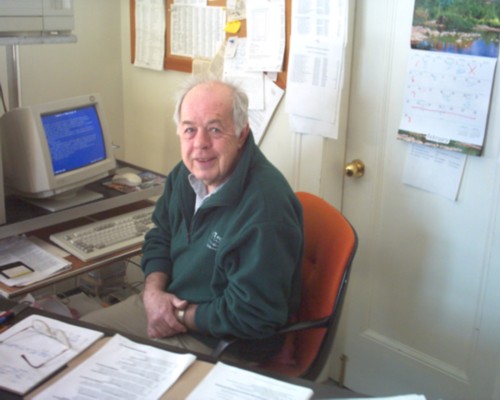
(302, 325)
(224, 344)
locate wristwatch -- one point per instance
(180, 315)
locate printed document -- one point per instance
(316, 66)
(228, 382)
(265, 35)
(252, 82)
(196, 31)
(121, 369)
(259, 119)
(149, 34)
(434, 170)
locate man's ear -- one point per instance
(243, 136)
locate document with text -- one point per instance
(121, 369)
(149, 34)
(228, 382)
(316, 67)
(196, 31)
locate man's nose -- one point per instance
(202, 139)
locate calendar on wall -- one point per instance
(448, 82)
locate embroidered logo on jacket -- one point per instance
(214, 241)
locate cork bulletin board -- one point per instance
(184, 64)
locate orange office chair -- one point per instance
(330, 243)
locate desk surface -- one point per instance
(24, 218)
(77, 266)
(194, 374)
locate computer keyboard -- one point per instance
(107, 236)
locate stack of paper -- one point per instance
(23, 262)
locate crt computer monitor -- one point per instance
(51, 151)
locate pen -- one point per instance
(18, 308)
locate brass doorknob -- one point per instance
(355, 169)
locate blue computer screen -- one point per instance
(74, 138)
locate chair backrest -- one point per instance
(330, 243)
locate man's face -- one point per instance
(209, 146)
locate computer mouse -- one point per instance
(127, 179)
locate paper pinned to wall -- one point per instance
(315, 81)
(265, 35)
(236, 10)
(149, 34)
(447, 100)
(316, 66)
(263, 94)
(196, 31)
(450, 77)
(259, 119)
(252, 82)
(434, 170)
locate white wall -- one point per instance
(93, 64)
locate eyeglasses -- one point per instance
(42, 328)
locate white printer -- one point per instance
(36, 17)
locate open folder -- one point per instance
(36, 348)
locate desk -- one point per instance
(24, 218)
(194, 374)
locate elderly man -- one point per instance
(223, 260)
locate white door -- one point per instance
(423, 305)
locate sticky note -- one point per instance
(233, 26)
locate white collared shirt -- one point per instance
(201, 190)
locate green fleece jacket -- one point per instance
(239, 256)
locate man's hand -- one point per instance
(161, 307)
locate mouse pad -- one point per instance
(149, 179)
